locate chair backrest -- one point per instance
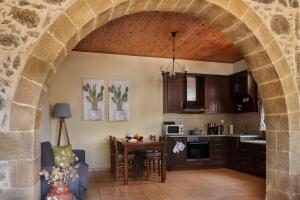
(113, 145)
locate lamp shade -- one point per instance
(62, 110)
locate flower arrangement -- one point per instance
(62, 174)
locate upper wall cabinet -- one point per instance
(193, 94)
(217, 94)
(183, 94)
(197, 93)
(244, 91)
(173, 93)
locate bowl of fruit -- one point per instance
(138, 137)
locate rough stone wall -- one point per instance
(22, 22)
(282, 16)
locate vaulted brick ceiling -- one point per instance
(148, 34)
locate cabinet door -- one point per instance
(247, 157)
(238, 83)
(218, 151)
(217, 94)
(176, 160)
(233, 153)
(223, 95)
(210, 91)
(260, 159)
(173, 93)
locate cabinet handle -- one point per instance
(199, 163)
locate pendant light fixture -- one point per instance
(171, 67)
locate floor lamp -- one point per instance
(62, 111)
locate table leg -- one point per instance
(163, 163)
(125, 166)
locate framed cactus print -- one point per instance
(93, 100)
(118, 100)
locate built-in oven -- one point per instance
(197, 148)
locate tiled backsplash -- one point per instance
(246, 122)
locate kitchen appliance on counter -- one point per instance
(220, 129)
(173, 129)
(196, 131)
(212, 129)
(197, 148)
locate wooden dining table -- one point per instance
(144, 145)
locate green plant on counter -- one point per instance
(118, 97)
(93, 96)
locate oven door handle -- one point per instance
(198, 142)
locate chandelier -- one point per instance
(171, 67)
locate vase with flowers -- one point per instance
(59, 177)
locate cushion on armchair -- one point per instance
(63, 155)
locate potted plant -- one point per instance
(59, 177)
(94, 98)
(118, 98)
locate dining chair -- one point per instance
(117, 160)
(152, 161)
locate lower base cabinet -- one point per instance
(223, 152)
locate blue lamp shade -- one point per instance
(62, 110)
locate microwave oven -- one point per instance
(173, 129)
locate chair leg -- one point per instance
(159, 167)
(148, 169)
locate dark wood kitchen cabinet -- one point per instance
(260, 164)
(243, 90)
(218, 151)
(176, 161)
(176, 92)
(238, 84)
(173, 93)
(217, 94)
(233, 153)
(253, 158)
(246, 157)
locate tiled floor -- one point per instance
(216, 184)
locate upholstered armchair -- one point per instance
(78, 187)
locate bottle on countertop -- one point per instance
(230, 129)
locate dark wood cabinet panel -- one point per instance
(218, 151)
(217, 94)
(243, 90)
(176, 160)
(223, 152)
(233, 153)
(173, 93)
(246, 157)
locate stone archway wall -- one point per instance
(36, 37)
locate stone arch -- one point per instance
(233, 17)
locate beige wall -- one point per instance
(145, 98)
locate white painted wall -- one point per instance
(239, 66)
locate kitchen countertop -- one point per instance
(224, 135)
(254, 141)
